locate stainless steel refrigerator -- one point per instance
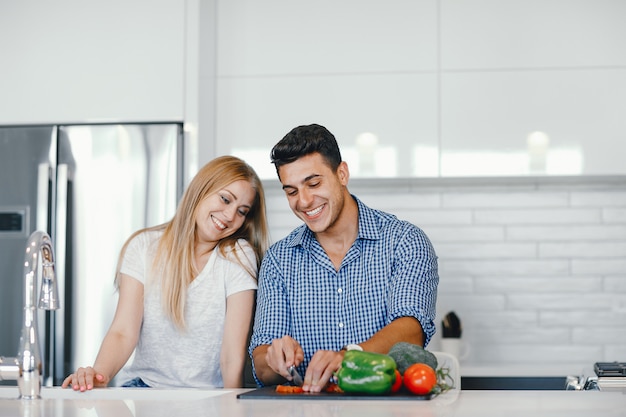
(89, 187)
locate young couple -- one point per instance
(350, 277)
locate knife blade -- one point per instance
(296, 378)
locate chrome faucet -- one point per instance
(26, 368)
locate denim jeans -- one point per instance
(135, 383)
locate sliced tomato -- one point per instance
(288, 389)
(397, 384)
(332, 387)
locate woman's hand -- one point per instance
(85, 379)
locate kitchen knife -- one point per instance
(296, 378)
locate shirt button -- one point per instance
(341, 325)
(340, 290)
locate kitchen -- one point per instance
(532, 261)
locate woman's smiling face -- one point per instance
(221, 214)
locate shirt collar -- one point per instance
(368, 227)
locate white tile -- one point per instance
(439, 217)
(499, 200)
(583, 250)
(615, 283)
(533, 354)
(469, 302)
(580, 318)
(481, 250)
(502, 319)
(351, 36)
(491, 114)
(599, 266)
(453, 285)
(503, 267)
(532, 33)
(547, 285)
(256, 113)
(564, 302)
(605, 198)
(532, 335)
(538, 216)
(614, 215)
(610, 334)
(463, 234)
(564, 233)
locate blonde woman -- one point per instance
(187, 288)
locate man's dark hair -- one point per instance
(305, 140)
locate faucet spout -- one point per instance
(39, 259)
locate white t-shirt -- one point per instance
(166, 356)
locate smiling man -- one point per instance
(350, 277)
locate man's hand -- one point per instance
(283, 353)
(271, 361)
(321, 368)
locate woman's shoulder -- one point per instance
(242, 249)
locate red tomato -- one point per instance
(420, 378)
(397, 384)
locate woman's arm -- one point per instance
(239, 310)
(119, 342)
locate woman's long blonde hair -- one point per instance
(175, 252)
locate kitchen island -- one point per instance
(129, 402)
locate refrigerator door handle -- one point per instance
(60, 249)
(43, 201)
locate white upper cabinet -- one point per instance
(428, 88)
(76, 61)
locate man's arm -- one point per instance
(403, 329)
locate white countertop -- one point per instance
(120, 402)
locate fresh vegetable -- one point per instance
(366, 372)
(397, 384)
(420, 379)
(406, 354)
(289, 389)
(332, 388)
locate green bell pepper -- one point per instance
(366, 373)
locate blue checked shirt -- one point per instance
(389, 272)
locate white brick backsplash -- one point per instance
(535, 268)
(593, 250)
(564, 233)
(582, 318)
(614, 215)
(615, 283)
(559, 285)
(599, 266)
(532, 335)
(600, 334)
(503, 267)
(538, 216)
(482, 250)
(563, 302)
(432, 217)
(605, 198)
(513, 200)
(463, 234)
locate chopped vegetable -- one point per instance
(366, 373)
(406, 354)
(289, 389)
